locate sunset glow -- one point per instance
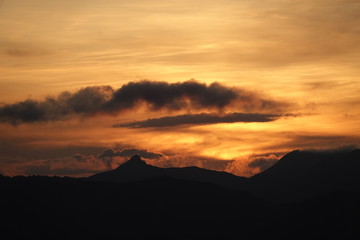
(196, 82)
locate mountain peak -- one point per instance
(134, 161)
(135, 158)
(289, 157)
(136, 169)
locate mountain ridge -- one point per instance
(135, 169)
(303, 174)
(296, 176)
(166, 206)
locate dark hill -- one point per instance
(138, 170)
(161, 208)
(140, 201)
(304, 174)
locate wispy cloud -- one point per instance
(199, 119)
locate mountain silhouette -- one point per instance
(313, 195)
(136, 169)
(303, 174)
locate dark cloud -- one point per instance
(203, 118)
(189, 95)
(173, 95)
(87, 100)
(26, 111)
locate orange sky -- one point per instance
(302, 56)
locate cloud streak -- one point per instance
(90, 101)
(200, 119)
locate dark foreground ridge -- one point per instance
(136, 169)
(301, 175)
(306, 195)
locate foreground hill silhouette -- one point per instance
(304, 174)
(136, 169)
(160, 208)
(139, 201)
(297, 176)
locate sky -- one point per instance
(229, 85)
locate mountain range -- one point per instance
(305, 195)
(296, 176)
(136, 169)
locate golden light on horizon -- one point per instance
(297, 60)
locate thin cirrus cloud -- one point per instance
(90, 101)
(200, 119)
